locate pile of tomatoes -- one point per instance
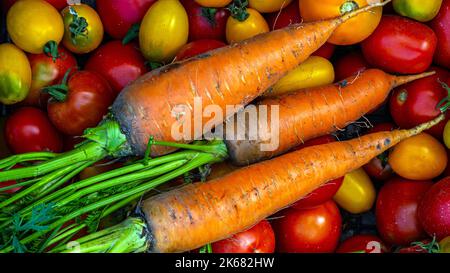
(61, 67)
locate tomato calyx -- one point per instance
(431, 247)
(51, 50)
(348, 6)
(384, 159)
(210, 15)
(59, 92)
(78, 26)
(402, 96)
(444, 104)
(132, 33)
(238, 10)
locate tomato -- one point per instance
(118, 16)
(238, 30)
(83, 28)
(423, 246)
(58, 4)
(362, 244)
(441, 27)
(164, 30)
(47, 71)
(434, 210)
(415, 103)
(444, 245)
(258, 239)
(351, 32)
(317, 141)
(117, 63)
(326, 51)
(357, 193)
(314, 229)
(349, 65)
(420, 157)
(198, 47)
(206, 23)
(83, 106)
(29, 130)
(288, 16)
(396, 211)
(268, 6)
(378, 168)
(400, 45)
(213, 3)
(422, 11)
(33, 24)
(320, 195)
(15, 74)
(447, 134)
(4, 150)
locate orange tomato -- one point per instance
(420, 157)
(351, 32)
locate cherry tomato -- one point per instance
(47, 71)
(434, 210)
(117, 63)
(444, 245)
(396, 211)
(254, 24)
(349, 65)
(33, 24)
(258, 239)
(326, 51)
(420, 157)
(447, 134)
(29, 130)
(357, 193)
(422, 11)
(314, 229)
(441, 27)
(206, 22)
(213, 3)
(416, 102)
(400, 45)
(83, 28)
(288, 16)
(351, 32)
(118, 16)
(265, 6)
(362, 244)
(320, 195)
(58, 4)
(83, 106)
(198, 47)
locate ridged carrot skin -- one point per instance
(314, 112)
(234, 75)
(200, 213)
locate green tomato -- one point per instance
(420, 10)
(447, 135)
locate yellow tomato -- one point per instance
(83, 28)
(419, 10)
(315, 71)
(268, 6)
(444, 245)
(213, 3)
(253, 25)
(420, 157)
(357, 193)
(15, 74)
(164, 30)
(447, 134)
(32, 24)
(351, 32)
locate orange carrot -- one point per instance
(313, 112)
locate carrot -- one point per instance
(313, 112)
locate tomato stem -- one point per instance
(348, 6)
(51, 50)
(238, 10)
(132, 34)
(210, 15)
(78, 26)
(444, 104)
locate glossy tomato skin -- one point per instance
(396, 211)
(29, 130)
(87, 101)
(288, 16)
(308, 230)
(362, 244)
(441, 26)
(258, 239)
(415, 103)
(400, 45)
(198, 47)
(237, 31)
(349, 65)
(119, 15)
(320, 195)
(204, 22)
(117, 63)
(434, 210)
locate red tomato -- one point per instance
(46, 72)
(447, 170)
(434, 210)
(198, 47)
(326, 51)
(414, 103)
(85, 104)
(441, 26)
(396, 211)
(320, 195)
(58, 4)
(379, 168)
(259, 239)
(119, 15)
(314, 229)
(400, 45)
(349, 65)
(206, 23)
(29, 130)
(362, 244)
(117, 63)
(10, 183)
(288, 16)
